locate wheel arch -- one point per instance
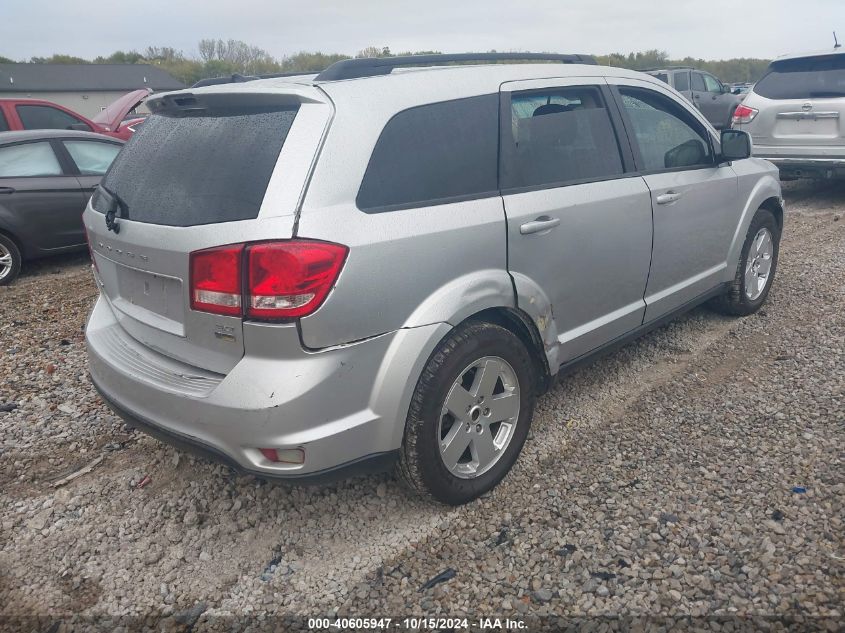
(774, 205)
(520, 324)
(15, 240)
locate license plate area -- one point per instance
(151, 298)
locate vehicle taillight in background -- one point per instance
(265, 280)
(744, 114)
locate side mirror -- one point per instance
(80, 127)
(736, 145)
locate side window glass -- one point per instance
(4, 126)
(663, 77)
(558, 136)
(698, 82)
(711, 84)
(38, 117)
(667, 135)
(28, 159)
(92, 157)
(433, 154)
(682, 81)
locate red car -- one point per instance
(34, 114)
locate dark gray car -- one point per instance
(46, 177)
(717, 101)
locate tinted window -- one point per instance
(682, 81)
(698, 82)
(663, 77)
(202, 167)
(92, 157)
(28, 159)
(38, 117)
(667, 136)
(558, 136)
(434, 153)
(711, 84)
(4, 127)
(806, 78)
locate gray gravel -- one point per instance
(658, 481)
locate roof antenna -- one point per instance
(836, 43)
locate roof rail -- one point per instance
(651, 70)
(374, 66)
(236, 78)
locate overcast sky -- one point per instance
(712, 29)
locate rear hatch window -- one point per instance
(197, 167)
(804, 78)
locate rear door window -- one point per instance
(557, 137)
(200, 167)
(29, 160)
(434, 154)
(39, 117)
(92, 158)
(4, 126)
(682, 81)
(804, 78)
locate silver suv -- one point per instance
(796, 115)
(312, 276)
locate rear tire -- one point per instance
(748, 291)
(456, 447)
(10, 260)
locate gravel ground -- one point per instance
(657, 482)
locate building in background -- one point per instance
(84, 88)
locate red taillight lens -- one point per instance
(744, 114)
(291, 279)
(216, 280)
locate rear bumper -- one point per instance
(369, 464)
(816, 160)
(277, 396)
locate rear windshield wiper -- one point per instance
(116, 201)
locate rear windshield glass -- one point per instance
(805, 78)
(197, 168)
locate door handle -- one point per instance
(7, 190)
(668, 198)
(540, 225)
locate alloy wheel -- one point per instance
(479, 416)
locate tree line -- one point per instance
(217, 57)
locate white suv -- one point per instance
(796, 115)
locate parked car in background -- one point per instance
(35, 114)
(46, 177)
(796, 115)
(290, 281)
(716, 100)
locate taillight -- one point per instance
(216, 280)
(744, 114)
(291, 279)
(266, 280)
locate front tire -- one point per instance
(756, 269)
(10, 260)
(469, 414)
